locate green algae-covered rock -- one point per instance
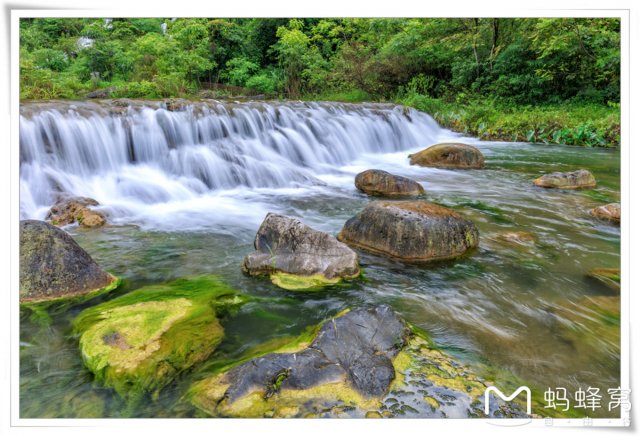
(54, 267)
(610, 277)
(140, 341)
(363, 363)
(297, 257)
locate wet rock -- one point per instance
(574, 180)
(101, 93)
(410, 231)
(364, 363)
(516, 238)
(382, 183)
(609, 212)
(449, 155)
(54, 266)
(610, 277)
(176, 104)
(299, 257)
(76, 210)
(140, 341)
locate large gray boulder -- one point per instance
(574, 180)
(299, 257)
(450, 155)
(54, 266)
(410, 231)
(382, 183)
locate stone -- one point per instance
(610, 277)
(296, 256)
(140, 341)
(449, 155)
(382, 183)
(364, 362)
(53, 266)
(579, 179)
(410, 231)
(76, 210)
(609, 212)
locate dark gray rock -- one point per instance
(53, 265)
(286, 245)
(101, 93)
(357, 347)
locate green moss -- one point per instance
(39, 311)
(140, 341)
(293, 282)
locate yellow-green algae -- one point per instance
(295, 282)
(140, 341)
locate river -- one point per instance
(185, 192)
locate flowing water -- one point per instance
(185, 192)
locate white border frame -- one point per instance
(176, 425)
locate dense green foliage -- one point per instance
(532, 62)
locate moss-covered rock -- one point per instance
(297, 257)
(410, 231)
(610, 277)
(140, 341)
(362, 363)
(449, 155)
(382, 183)
(54, 267)
(580, 179)
(609, 212)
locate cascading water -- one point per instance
(151, 166)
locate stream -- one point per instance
(185, 192)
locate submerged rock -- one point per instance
(382, 183)
(76, 210)
(609, 212)
(366, 362)
(299, 257)
(449, 155)
(53, 266)
(516, 237)
(410, 231)
(574, 180)
(610, 277)
(140, 341)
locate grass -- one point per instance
(569, 123)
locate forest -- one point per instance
(551, 80)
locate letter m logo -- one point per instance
(499, 393)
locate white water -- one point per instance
(217, 163)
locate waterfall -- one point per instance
(142, 155)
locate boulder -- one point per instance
(140, 341)
(363, 362)
(101, 93)
(609, 212)
(382, 183)
(449, 155)
(76, 210)
(574, 180)
(54, 266)
(410, 231)
(299, 257)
